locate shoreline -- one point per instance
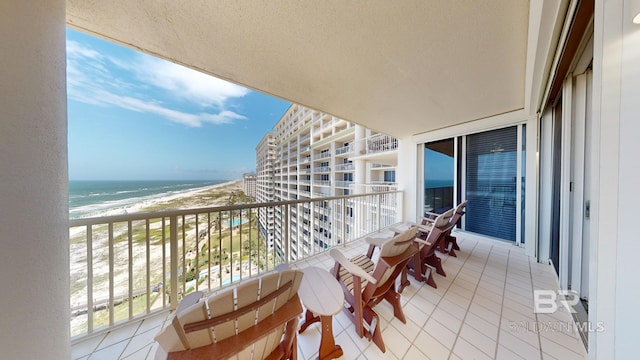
(146, 203)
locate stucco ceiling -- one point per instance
(400, 67)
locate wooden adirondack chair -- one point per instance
(255, 320)
(430, 235)
(366, 283)
(450, 243)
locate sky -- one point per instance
(132, 116)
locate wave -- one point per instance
(113, 198)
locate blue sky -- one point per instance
(136, 117)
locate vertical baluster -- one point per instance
(130, 266)
(111, 257)
(173, 261)
(148, 265)
(197, 253)
(184, 257)
(90, 278)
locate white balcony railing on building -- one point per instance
(373, 187)
(376, 143)
(322, 169)
(345, 167)
(127, 266)
(323, 155)
(343, 184)
(343, 150)
(322, 182)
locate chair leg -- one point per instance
(374, 334)
(394, 299)
(429, 278)
(435, 261)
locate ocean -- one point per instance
(93, 198)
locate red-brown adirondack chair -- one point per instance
(366, 283)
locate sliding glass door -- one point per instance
(439, 166)
(491, 182)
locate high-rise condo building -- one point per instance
(311, 154)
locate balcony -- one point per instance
(130, 266)
(322, 155)
(482, 309)
(322, 182)
(343, 150)
(345, 167)
(343, 184)
(322, 169)
(379, 148)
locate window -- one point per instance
(491, 174)
(390, 176)
(438, 175)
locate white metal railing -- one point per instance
(343, 184)
(342, 150)
(343, 167)
(376, 143)
(321, 169)
(374, 187)
(322, 182)
(323, 155)
(127, 266)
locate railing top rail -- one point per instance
(192, 211)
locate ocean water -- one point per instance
(93, 198)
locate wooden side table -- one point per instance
(322, 295)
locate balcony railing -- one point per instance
(322, 182)
(374, 187)
(322, 169)
(343, 150)
(375, 144)
(343, 184)
(344, 167)
(127, 266)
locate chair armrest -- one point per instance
(431, 214)
(423, 242)
(189, 300)
(377, 241)
(424, 228)
(351, 267)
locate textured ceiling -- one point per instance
(400, 67)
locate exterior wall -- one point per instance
(312, 159)
(613, 279)
(265, 157)
(249, 185)
(34, 212)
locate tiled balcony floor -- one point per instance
(483, 309)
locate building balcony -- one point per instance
(483, 308)
(379, 148)
(343, 150)
(345, 167)
(343, 184)
(323, 155)
(322, 169)
(322, 182)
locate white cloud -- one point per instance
(92, 79)
(192, 85)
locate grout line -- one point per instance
(504, 290)
(471, 302)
